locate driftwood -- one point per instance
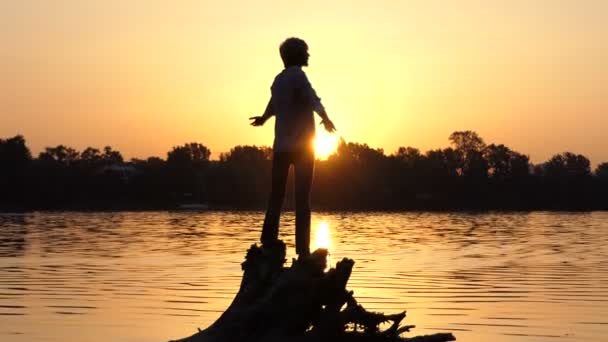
(301, 303)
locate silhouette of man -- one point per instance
(293, 102)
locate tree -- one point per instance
(440, 168)
(468, 174)
(357, 153)
(470, 146)
(60, 154)
(436, 163)
(408, 156)
(505, 163)
(189, 154)
(356, 175)
(187, 165)
(243, 175)
(601, 172)
(567, 181)
(247, 155)
(15, 160)
(520, 165)
(110, 156)
(91, 156)
(149, 184)
(404, 176)
(14, 154)
(467, 141)
(567, 166)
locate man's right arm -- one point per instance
(260, 120)
(268, 112)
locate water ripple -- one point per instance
(159, 275)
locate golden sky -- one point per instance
(143, 76)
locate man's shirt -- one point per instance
(293, 103)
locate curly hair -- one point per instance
(294, 51)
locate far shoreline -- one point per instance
(216, 209)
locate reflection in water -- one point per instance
(321, 234)
(12, 235)
(159, 275)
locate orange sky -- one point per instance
(143, 76)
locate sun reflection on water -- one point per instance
(322, 236)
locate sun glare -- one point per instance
(325, 145)
(322, 238)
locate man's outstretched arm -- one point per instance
(319, 109)
(260, 120)
(315, 102)
(326, 122)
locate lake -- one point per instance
(154, 276)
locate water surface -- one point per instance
(152, 276)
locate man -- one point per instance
(293, 102)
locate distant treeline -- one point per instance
(468, 175)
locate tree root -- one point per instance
(301, 303)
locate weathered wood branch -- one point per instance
(301, 303)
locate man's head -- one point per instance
(294, 51)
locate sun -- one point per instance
(325, 145)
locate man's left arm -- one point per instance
(315, 102)
(268, 112)
(260, 120)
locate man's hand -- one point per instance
(329, 126)
(257, 120)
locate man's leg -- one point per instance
(280, 170)
(304, 167)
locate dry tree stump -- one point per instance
(301, 303)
